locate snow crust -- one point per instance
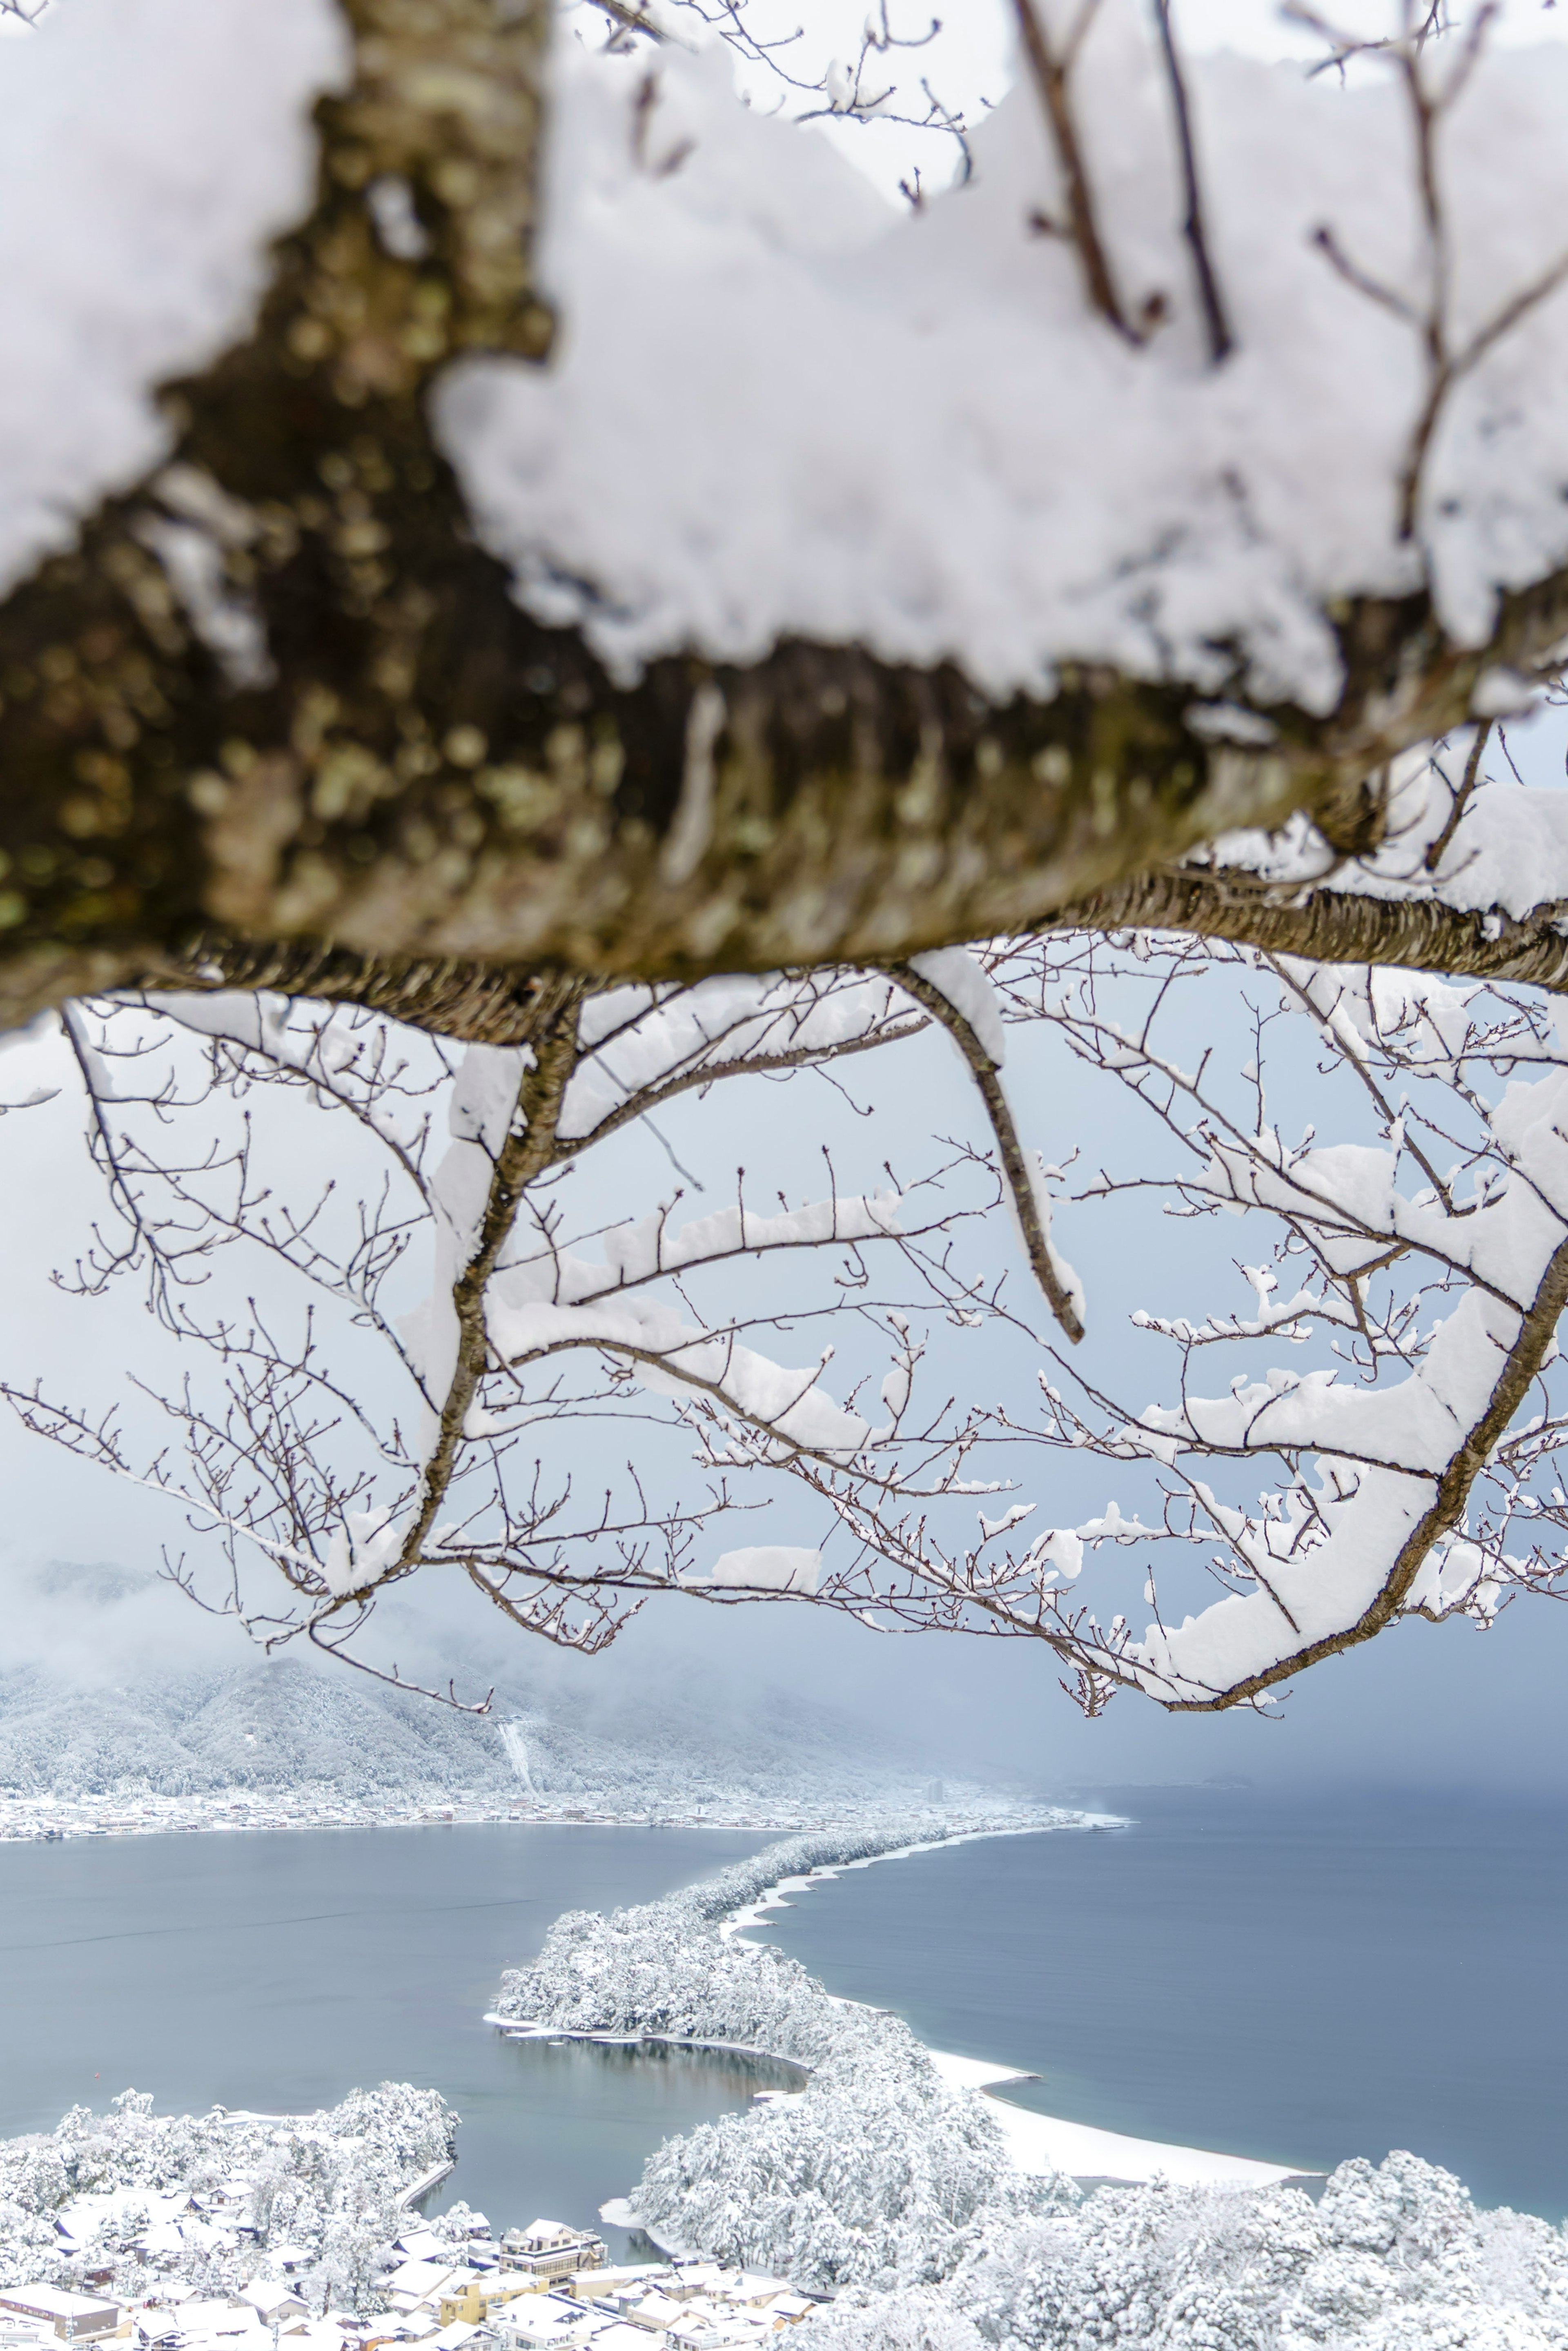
(770, 1567)
(1506, 852)
(958, 976)
(149, 151)
(773, 410)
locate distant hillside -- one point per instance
(193, 1728)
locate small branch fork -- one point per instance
(1447, 362)
(1014, 1166)
(1051, 70)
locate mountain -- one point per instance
(122, 1718)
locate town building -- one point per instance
(549, 2251)
(73, 2317)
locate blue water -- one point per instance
(1291, 1982)
(276, 1973)
(1295, 1983)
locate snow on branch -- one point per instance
(1381, 1348)
(1132, 215)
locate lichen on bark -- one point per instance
(352, 753)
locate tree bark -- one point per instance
(1329, 925)
(407, 785)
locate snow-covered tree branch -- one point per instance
(351, 621)
(468, 593)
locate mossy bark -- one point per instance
(415, 792)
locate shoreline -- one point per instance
(1039, 2144)
(55, 1820)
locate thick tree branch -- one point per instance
(411, 792)
(1330, 926)
(527, 1150)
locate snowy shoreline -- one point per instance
(1044, 2144)
(53, 1819)
(924, 2216)
(1040, 2145)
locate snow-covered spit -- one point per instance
(886, 2186)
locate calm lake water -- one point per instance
(279, 1971)
(1296, 1984)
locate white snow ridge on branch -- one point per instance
(998, 477)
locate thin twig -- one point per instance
(1221, 342)
(1010, 1150)
(1051, 74)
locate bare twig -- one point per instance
(1014, 1166)
(1050, 76)
(1221, 342)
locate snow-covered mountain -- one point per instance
(268, 1726)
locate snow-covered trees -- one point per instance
(1389, 2257)
(883, 2186)
(875, 2174)
(554, 584)
(202, 2200)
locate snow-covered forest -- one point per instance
(117, 1724)
(882, 2184)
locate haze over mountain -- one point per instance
(116, 1714)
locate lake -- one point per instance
(278, 1972)
(1295, 1982)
